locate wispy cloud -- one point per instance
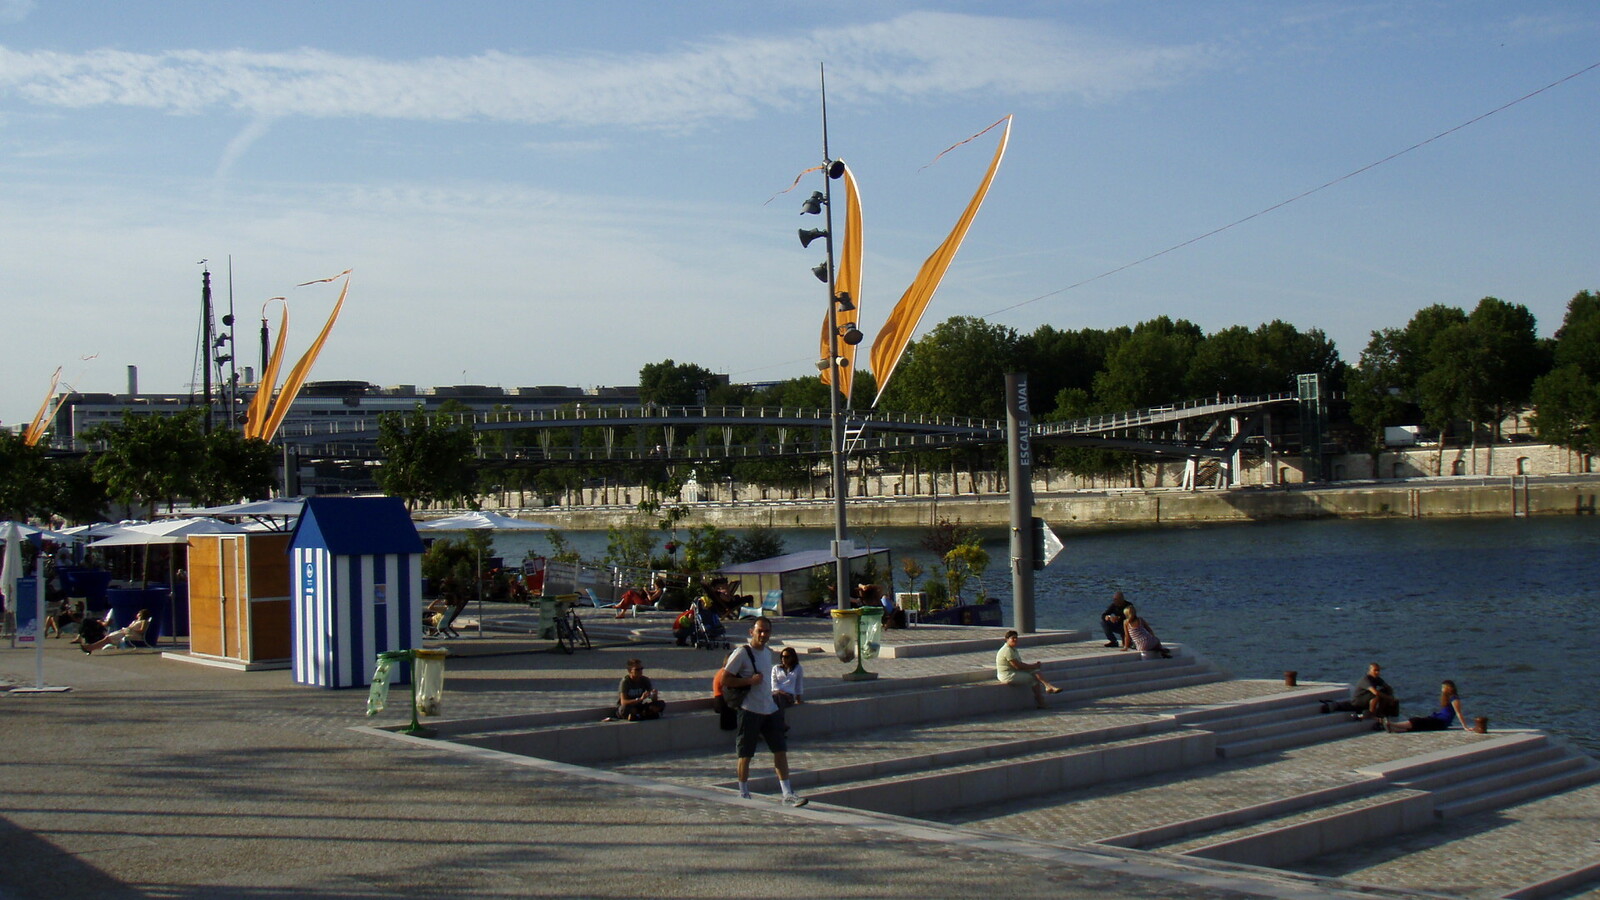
(919, 56)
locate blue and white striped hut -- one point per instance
(357, 580)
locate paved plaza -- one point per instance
(159, 778)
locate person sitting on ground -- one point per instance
(1372, 697)
(788, 679)
(637, 697)
(1449, 711)
(1010, 669)
(1141, 635)
(134, 632)
(65, 619)
(1111, 619)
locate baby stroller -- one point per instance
(707, 632)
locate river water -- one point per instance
(1507, 608)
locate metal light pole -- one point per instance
(841, 546)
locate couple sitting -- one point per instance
(1373, 698)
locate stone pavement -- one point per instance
(156, 778)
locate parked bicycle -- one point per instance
(570, 633)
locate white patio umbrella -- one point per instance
(277, 514)
(12, 569)
(171, 531)
(481, 521)
(27, 530)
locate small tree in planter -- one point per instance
(966, 562)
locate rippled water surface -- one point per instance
(1508, 608)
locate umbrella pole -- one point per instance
(479, 555)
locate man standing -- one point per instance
(1009, 668)
(1111, 620)
(759, 715)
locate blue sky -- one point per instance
(557, 193)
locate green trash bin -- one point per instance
(849, 639)
(427, 685)
(846, 634)
(549, 611)
(871, 631)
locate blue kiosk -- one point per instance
(356, 577)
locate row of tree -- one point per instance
(144, 461)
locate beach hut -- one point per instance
(239, 600)
(356, 573)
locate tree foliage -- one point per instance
(151, 458)
(25, 489)
(427, 458)
(1567, 399)
(957, 369)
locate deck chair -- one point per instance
(138, 636)
(445, 628)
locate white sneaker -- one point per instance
(794, 800)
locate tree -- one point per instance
(236, 468)
(426, 458)
(75, 493)
(1567, 399)
(1151, 367)
(1481, 369)
(1239, 361)
(957, 369)
(668, 383)
(759, 542)
(1058, 360)
(151, 457)
(25, 488)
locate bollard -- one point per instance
(1481, 724)
(1291, 678)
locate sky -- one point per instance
(556, 193)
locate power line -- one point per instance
(1301, 196)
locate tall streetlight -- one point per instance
(821, 202)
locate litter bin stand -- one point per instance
(427, 685)
(847, 642)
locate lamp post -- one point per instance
(821, 202)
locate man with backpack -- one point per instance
(744, 689)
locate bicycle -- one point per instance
(570, 632)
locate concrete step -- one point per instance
(1291, 701)
(967, 645)
(1447, 761)
(1293, 733)
(860, 774)
(1215, 823)
(932, 792)
(1585, 771)
(1284, 840)
(1443, 781)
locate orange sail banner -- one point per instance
(890, 344)
(302, 369)
(261, 404)
(45, 415)
(847, 280)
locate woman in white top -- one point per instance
(788, 679)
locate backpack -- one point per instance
(728, 699)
